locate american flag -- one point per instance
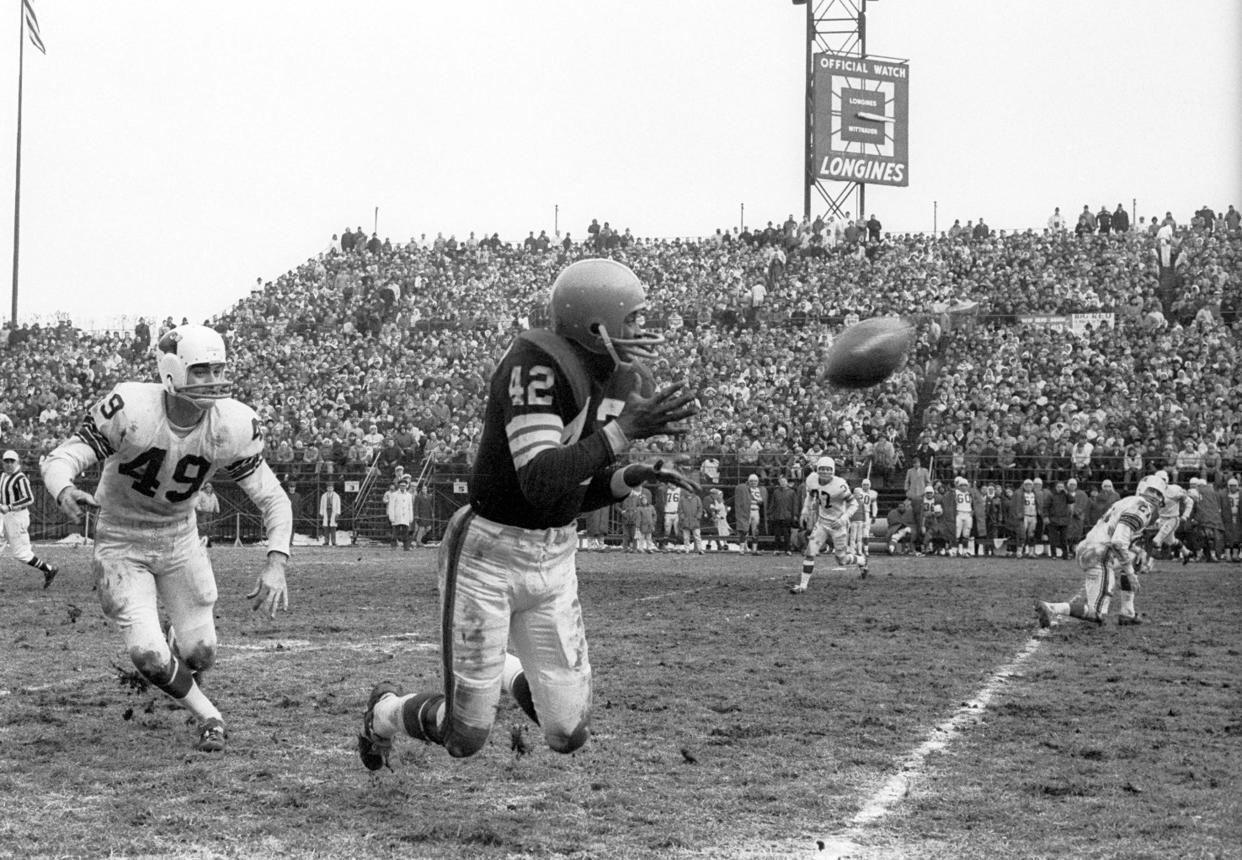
(32, 26)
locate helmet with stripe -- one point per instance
(594, 303)
(188, 346)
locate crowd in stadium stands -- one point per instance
(379, 349)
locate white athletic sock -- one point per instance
(1060, 608)
(1126, 604)
(386, 716)
(197, 703)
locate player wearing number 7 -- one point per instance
(159, 443)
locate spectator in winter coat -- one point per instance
(1059, 503)
(1231, 516)
(1207, 520)
(401, 512)
(750, 505)
(690, 518)
(783, 504)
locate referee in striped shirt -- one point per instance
(15, 501)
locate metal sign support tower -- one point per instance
(838, 27)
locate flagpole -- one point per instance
(17, 184)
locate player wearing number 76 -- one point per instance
(159, 443)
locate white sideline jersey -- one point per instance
(152, 473)
(834, 501)
(963, 501)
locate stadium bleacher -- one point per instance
(1028, 344)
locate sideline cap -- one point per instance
(10, 455)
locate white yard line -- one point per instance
(881, 802)
(844, 844)
(669, 594)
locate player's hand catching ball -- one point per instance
(270, 591)
(638, 474)
(71, 500)
(659, 414)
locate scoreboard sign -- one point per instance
(861, 116)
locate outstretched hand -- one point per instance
(71, 501)
(271, 592)
(638, 474)
(659, 414)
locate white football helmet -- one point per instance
(825, 467)
(591, 303)
(1153, 488)
(184, 347)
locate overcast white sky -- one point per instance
(174, 152)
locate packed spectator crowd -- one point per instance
(375, 352)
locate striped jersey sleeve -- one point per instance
(244, 468)
(90, 433)
(15, 491)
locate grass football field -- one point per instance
(918, 713)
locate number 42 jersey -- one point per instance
(152, 472)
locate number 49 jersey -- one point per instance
(153, 472)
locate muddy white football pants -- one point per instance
(137, 566)
(499, 584)
(835, 536)
(1166, 532)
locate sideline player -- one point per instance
(963, 519)
(860, 521)
(159, 444)
(563, 405)
(1110, 555)
(826, 516)
(16, 498)
(1026, 503)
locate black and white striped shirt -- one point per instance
(15, 491)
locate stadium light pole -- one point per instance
(808, 157)
(17, 182)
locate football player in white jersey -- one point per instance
(826, 515)
(1177, 508)
(159, 443)
(963, 518)
(1110, 555)
(864, 515)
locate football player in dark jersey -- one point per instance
(563, 405)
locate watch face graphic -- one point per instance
(862, 116)
(861, 106)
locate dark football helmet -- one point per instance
(594, 304)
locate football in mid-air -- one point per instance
(868, 352)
